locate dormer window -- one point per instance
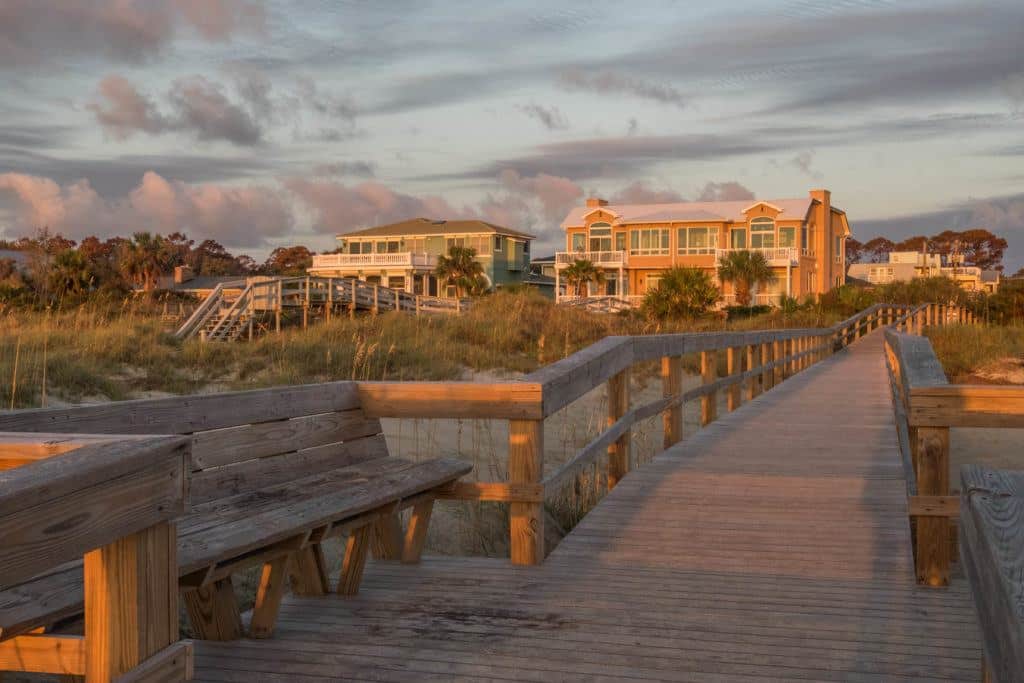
(600, 237)
(762, 233)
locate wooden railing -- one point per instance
(992, 550)
(755, 362)
(113, 502)
(926, 406)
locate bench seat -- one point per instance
(283, 520)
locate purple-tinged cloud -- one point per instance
(724, 192)
(551, 117)
(123, 110)
(610, 82)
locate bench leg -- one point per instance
(387, 538)
(355, 560)
(309, 571)
(268, 597)
(416, 534)
(213, 611)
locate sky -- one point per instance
(262, 123)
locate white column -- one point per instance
(557, 283)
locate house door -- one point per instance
(611, 285)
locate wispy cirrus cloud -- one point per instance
(550, 117)
(611, 82)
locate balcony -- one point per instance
(608, 259)
(353, 261)
(776, 256)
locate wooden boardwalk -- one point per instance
(771, 545)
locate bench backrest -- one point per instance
(240, 440)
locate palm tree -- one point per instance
(143, 259)
(681, 293)
(70, 273)
(746, 270)
(580, 274)
(461, 269)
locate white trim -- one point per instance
(763, 203)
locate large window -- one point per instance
(600, 237)
(787, 237)
(649, 242)
(481, 244)
(738, 238)
(762, 233)
(620, 241)
(579, 241)
(697, 240)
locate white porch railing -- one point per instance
(774, 255)
(598, 258)
(401, 259)
(755, 299)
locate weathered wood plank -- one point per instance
(173, 664)
(469, 400)
(502, 492)
(966, 406)
(47, 654)
(526, 466)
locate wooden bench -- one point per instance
(274, 473)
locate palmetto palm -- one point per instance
(461, 269)
(142, 259)
(746, 270)
(681, 293)
(70, 273)
(580, 274)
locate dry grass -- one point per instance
(964, 350)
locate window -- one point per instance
(762, 233)
(649, 242)
(787, 237)
(600, 237)
(697, 240)
(526, 248)
(620, 241)
(803, 238)
(382, 247)
(497, 243)
(839, 249)
(738, 238)
(653, 281)
(579, 241)
(393, 247)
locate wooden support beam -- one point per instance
(672, 385)
(766, 357)
(212, 610)
(354, 562)
(526, 466)
(778, 376)
(753, 389)
(387, 538)
(268, 597)
(309, 571)
(416, 533)
(932, 552)
(708, 374)
(734, 366)
(44, 654)
(131, 601)
(502, 492)
(173, 663)
(618, 406)
(933, 506)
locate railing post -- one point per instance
(767, 376)
(708, 374)
(131, 601)
(352, 303)
(751, 385)
(618, 406)
(526, 465)
(734, 366)
(671, 386)
(932, 554)
(777, 374)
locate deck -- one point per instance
(773, 544)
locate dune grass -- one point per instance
(963, 350)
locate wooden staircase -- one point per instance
(223, 316)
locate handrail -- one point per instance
(925, 406)
(199, 315)
(113, 502)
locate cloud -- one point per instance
(605, 82)
(724, 192)
(555, 194)
(235, 216)
(639, 192)
(35, 32)
(336, 207)
(202, 108)
(124, 110)
(362, 169)
(551, 117)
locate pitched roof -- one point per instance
(427, 226)
(792, 209)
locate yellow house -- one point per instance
(803, 240)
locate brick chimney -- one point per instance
(182, 274)
(595, 202)
(824, 245)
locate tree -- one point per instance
(580, 274)
(143, 259)
(211, 258)
(461, 269)
(877, 250)
(70, 274)
(978, 246)
(854, 250)
(746, 270)
(289, 261)
(916, 243)
(681, 293)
